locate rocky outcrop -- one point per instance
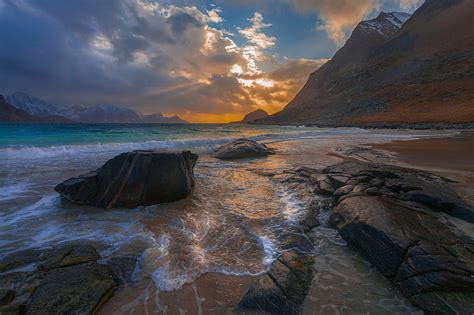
(242, 148)
(71, 278)
(399, 220)
(137, 178)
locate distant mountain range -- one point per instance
(252, 117)
(395, 69)
(9, 113)
(38, 110)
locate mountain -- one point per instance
(9, 113)
(394, 69)
(158, 118)
(252, 117)
(102, 113)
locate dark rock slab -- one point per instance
(392, 216)
(284, 287)
(78, 289)
(242, 148)
(122, 269)
(133, 179)
(66, 278)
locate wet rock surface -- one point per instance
(242, 148)
(78, 289)
(398, 219)
(71, 278)
(137, 178)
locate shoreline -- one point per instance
(337, 266)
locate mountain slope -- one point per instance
(9, 113)
(421, 72)
(252, 117)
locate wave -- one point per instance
(206, 144)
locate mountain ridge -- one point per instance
(422, 73)
(9, 114)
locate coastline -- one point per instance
(342, 278)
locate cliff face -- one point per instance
(395, 70)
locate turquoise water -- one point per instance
(16, 135)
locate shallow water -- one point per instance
(235, 223)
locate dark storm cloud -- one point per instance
(46, 46)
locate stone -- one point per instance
(78, 289)
(283, 289)
(132, 179)
(242, 148)
(399, 229)
(122, 269)
(69, 255)
(6, 296)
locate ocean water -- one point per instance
(236, 222)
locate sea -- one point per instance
(236, 222)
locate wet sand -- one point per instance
(452, 157)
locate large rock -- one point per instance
(242, 148)
(78, 289)
(137, 178)
(70, 278)
(393, 217)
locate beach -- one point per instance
(207, 250)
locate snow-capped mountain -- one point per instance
(102, 113)
(32, 105)
(385, 24)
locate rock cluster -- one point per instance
(131, 179)
(67, 279)
(242, 148)
(396, 218)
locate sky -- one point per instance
(207, 61)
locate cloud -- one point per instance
(144, 54)
(339, 17)
(409, 5)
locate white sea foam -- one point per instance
(9, 192)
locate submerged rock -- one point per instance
(392, 216)
(137, 178)
(242, 148)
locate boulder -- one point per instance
(242, 148)
(70, 278)
(132, 179)
(393, 216)
(78, 289)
